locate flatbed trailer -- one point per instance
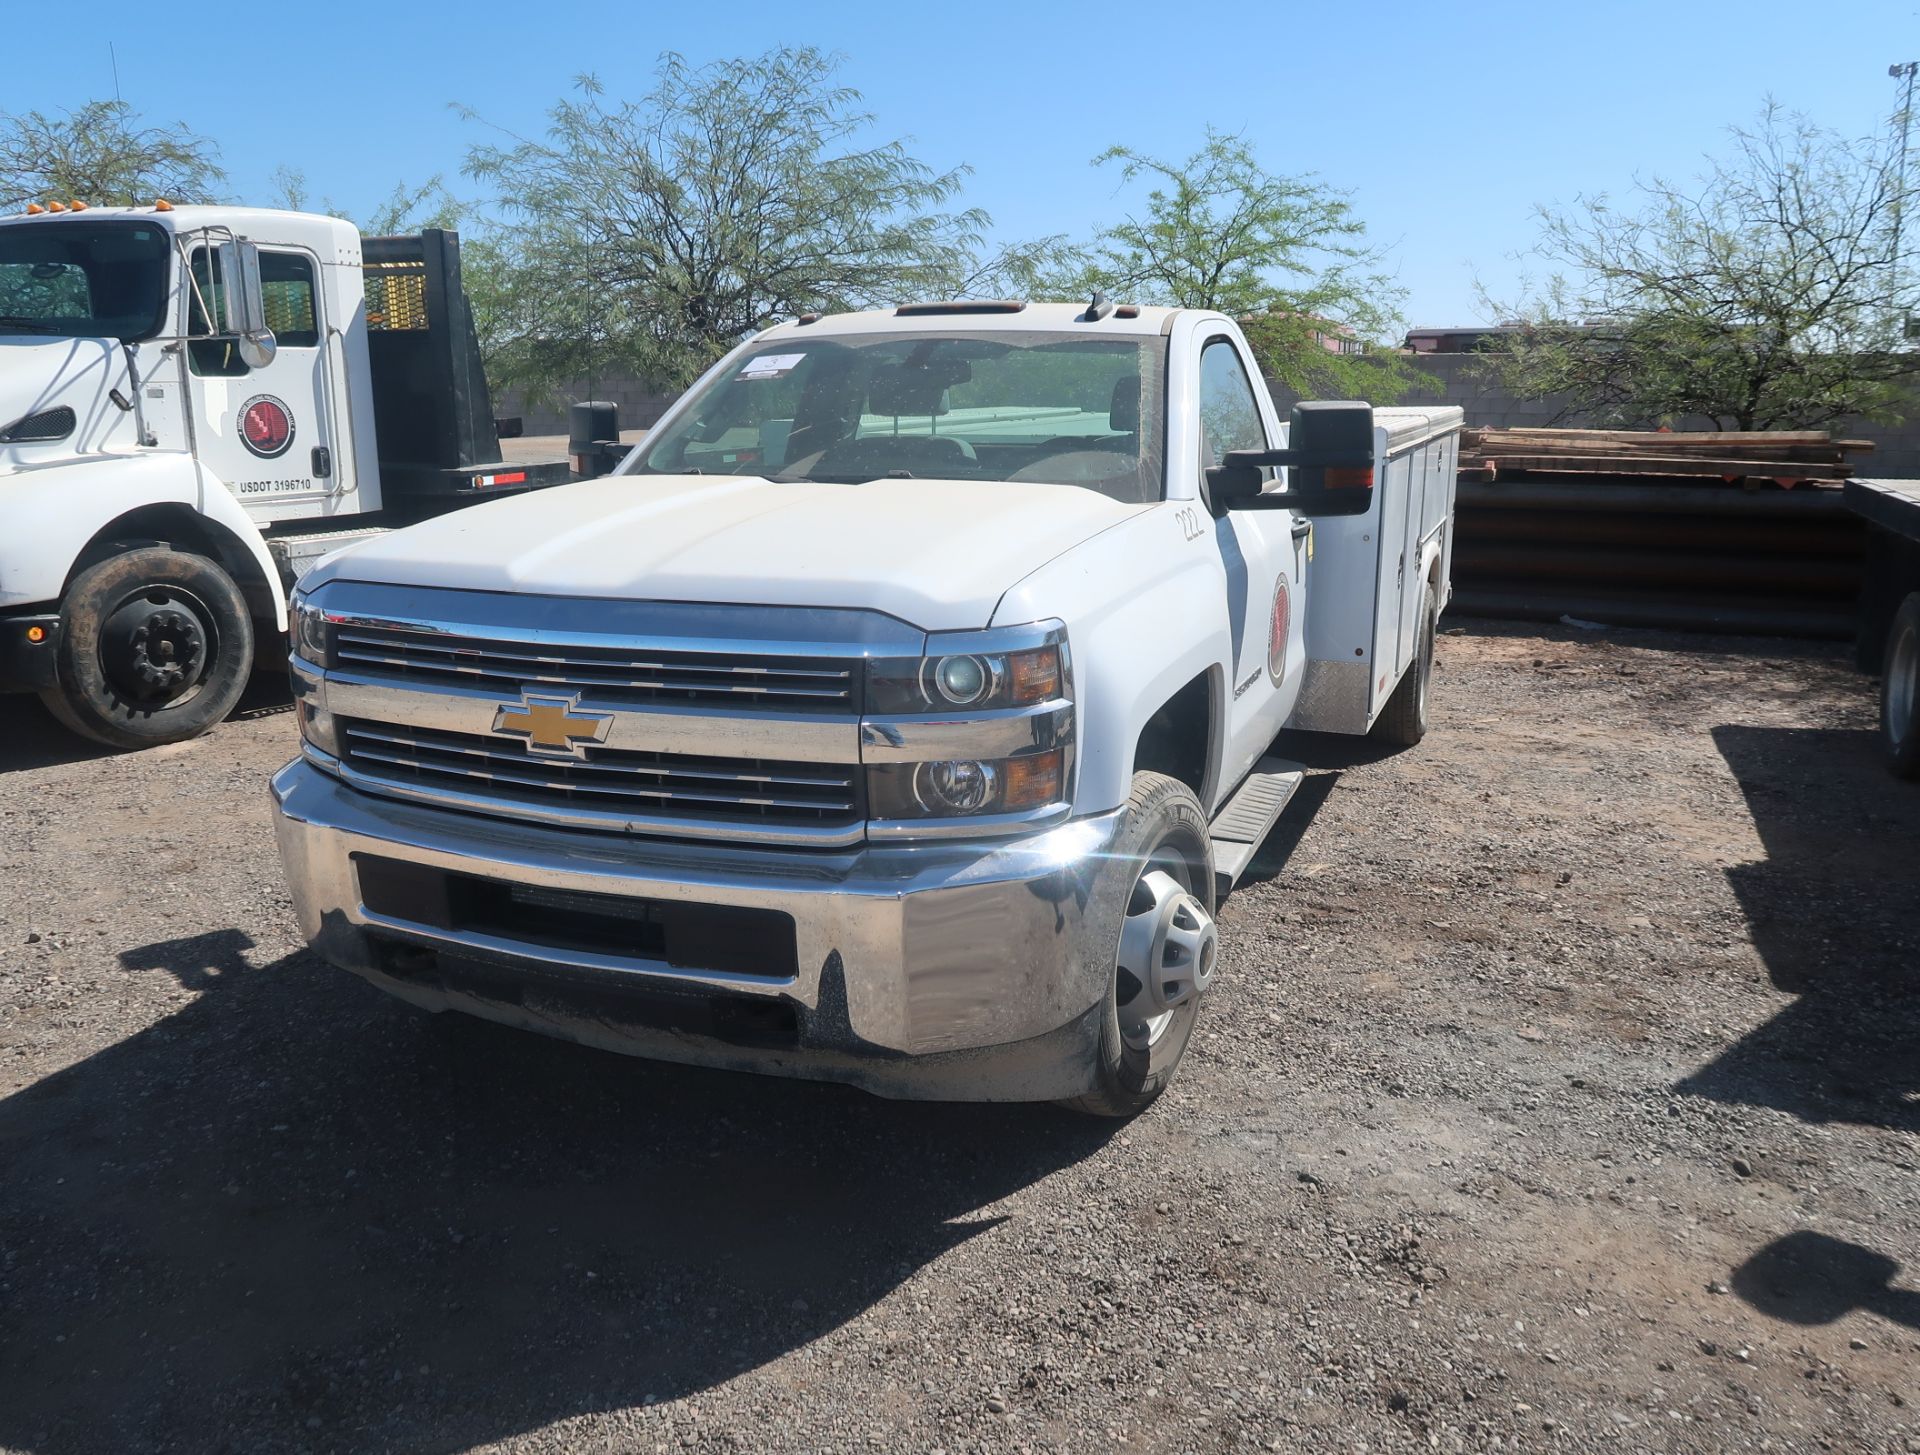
(1889, 639)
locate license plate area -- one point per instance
(723, 939)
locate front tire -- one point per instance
(155, 648)
(1900, 690)
(1164, 949)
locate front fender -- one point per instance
(53, 511)
(1144, 604)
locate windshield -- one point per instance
(1053, 408)
(83, 279)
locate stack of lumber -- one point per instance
(1787, 457)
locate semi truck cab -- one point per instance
(195, 404)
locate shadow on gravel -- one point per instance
(299, 1215)
(1809, 1278)
(30, 736)
(1834, 911)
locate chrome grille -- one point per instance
(613, 672)
(608, 780)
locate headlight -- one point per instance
(306, 631)
(980, 726)
(965, 679)
(965, 787)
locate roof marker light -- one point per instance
(160, 204)
(56, 207)
(77, 205)
(34, 209)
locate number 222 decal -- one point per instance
(1189, 519)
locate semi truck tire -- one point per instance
(155, 647)
(1900, 690)
(1163, 948)
(1403, 722)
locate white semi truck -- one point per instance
(894, 714)
(196, 403)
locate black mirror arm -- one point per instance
(1253, 460)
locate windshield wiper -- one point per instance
(32, 325)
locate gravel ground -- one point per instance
(1560, 1093)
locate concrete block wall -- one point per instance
(1458, 381)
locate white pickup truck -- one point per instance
(893, 715)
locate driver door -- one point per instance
(266, 431)
(1263, 554)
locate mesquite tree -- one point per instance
(1773, 293)
(1284, 255)
(100, 154)
(651, 235)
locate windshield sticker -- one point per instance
(770, 366)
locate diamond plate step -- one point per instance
(1243, 824)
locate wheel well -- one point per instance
(184, 529)
(1178, 737)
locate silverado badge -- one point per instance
(550, 725)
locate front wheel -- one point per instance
(1164, 952)
(155, 648)
(1900, 690)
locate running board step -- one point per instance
(1243, 824)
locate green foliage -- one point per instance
(652, 235)
(1283, 255)
(101, 154)
(1770, 295)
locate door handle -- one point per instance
(322, 462)
(1301, 528)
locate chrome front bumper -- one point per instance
(975, 971)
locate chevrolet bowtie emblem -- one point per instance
(550, 725)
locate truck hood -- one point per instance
(39, 373)
(936, 553)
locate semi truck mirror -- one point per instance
(246, 304)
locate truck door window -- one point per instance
(1229, 417)
(286, 283)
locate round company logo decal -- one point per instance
(266, 426)
(1282, 623)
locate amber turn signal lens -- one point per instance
(36, 634)
(1348, 477)
(1031, 781)
(1034, 676)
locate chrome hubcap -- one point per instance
(1166, 957)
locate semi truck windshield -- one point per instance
(1044, 407)
(83, 279)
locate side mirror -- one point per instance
(246, 304)
(1329, 459)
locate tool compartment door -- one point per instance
(1393, 519)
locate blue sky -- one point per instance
(1446, 122)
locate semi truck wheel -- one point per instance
(1164, 948)
(1900, 690)
(155, 648)
(1403, 722)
